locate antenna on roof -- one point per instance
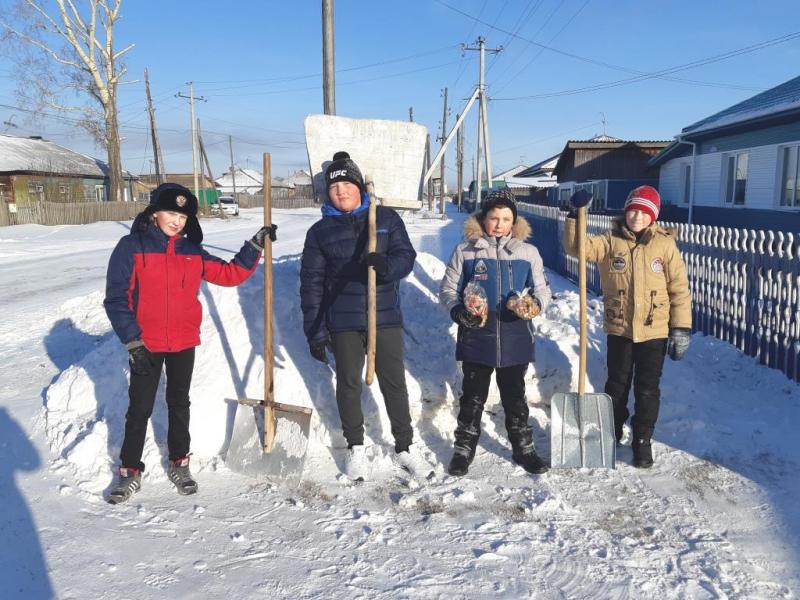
(603, 120)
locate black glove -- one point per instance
(463, 317)
(379, 261)
(260, 236)
(678, 342)
(140, 360)
(319, 350)
(580, 199)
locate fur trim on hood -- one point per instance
(473, 229)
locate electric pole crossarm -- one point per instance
(450, 136)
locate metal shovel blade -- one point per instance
(582, 431)
(286, 459)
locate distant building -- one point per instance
(207, 193)
(33, 169)
(739, 167)
(608, 167)
(247, 181)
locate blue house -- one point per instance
(739, 167)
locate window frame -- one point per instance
(730, 189)
(782, 168)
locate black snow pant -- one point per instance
(642, 363)
(142, 395)
(349, 349)
(475, 389)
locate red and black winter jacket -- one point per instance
(153, 281)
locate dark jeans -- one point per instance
(475, 389)
(642, 364)
(142, 395)
(349, 348)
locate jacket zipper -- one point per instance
(499, 296)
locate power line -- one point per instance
(657, 74)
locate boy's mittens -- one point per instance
(258, 239)
(678, 342)
(580, 199)
(379, 261)
(139, 358)
(526, 307)
(463, 317)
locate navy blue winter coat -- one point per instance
(333, 273)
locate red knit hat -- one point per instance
(646, 199)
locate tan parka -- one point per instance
(645, 287)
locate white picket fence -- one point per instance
(745, 283)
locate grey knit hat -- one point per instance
(500, 198)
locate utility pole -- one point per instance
(483, 118)
(328, 70)
(233, 169)
(411, 113)
(428, 168)
(459, 162)
(442, 139)
(159, 160)
(191, 99)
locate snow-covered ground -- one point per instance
(717, 517)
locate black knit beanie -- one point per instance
(501, 198)
(343, 168)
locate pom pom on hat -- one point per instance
(343, 168)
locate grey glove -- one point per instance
(678, 342)
(139, 358)
(258, 239)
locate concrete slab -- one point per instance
(391, 152)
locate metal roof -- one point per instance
(32, 155)
(780, 99)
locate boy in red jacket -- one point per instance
(153, 279)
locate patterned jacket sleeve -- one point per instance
(120, 282)
(312, 289)
(229, 274)
(451, 282)
(539, 284)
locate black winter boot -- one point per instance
(459, 464)
(467, 433)
(531, 462)
(642, 448)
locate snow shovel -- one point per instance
(286, 426)
(372, 284)
(582, 425)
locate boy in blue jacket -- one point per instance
(496, 258)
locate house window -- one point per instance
(35, 191)
(790, 173)
(64, 193)
(100, 193)
(736, 178)
(686, 181)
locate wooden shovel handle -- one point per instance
(582, 291)
(269, 411)
(372, 245)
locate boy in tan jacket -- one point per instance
(648, 308)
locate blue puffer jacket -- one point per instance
(501, 266)
(333, 274)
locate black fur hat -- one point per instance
(175, 198)
(343, 168)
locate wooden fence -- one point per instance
(81, 213)
(745, 283)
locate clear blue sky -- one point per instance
(259, 65)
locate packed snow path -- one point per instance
(716, 517)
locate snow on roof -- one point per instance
(510, 172)
(29, 155)
(244, 178)
(781, 98)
